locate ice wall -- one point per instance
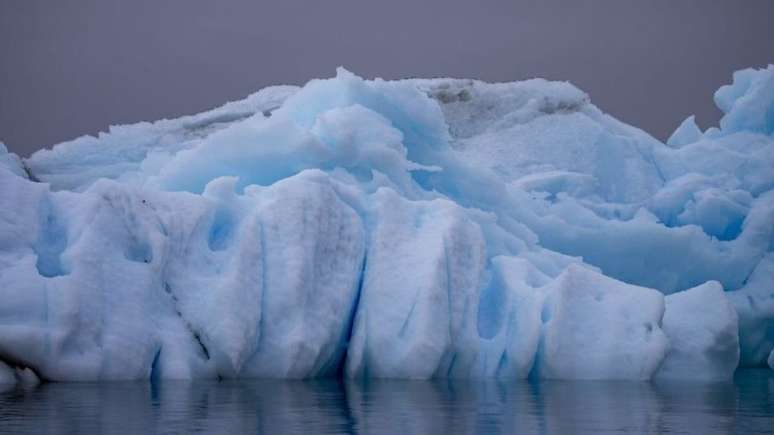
(413, 229)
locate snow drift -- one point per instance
(410, 229)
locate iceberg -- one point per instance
(417, 228)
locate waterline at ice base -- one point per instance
(436, 228)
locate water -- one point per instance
(745, 406)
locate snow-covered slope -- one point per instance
(412, 229)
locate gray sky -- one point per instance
(70, 67)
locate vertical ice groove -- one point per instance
(52, 241)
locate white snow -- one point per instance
(413, 229)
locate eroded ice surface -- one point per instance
(703, 331)
(412, 229)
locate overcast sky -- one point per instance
(69, 68)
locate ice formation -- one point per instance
(409, 229)
(702, 326)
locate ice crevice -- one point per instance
(399, 229)
(195, 335)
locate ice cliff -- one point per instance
(407, 229)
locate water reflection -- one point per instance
(393, 407)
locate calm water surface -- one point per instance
(745, 406)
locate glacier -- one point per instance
(418, 228)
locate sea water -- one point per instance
(744, 406)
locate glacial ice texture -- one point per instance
(404, 229)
